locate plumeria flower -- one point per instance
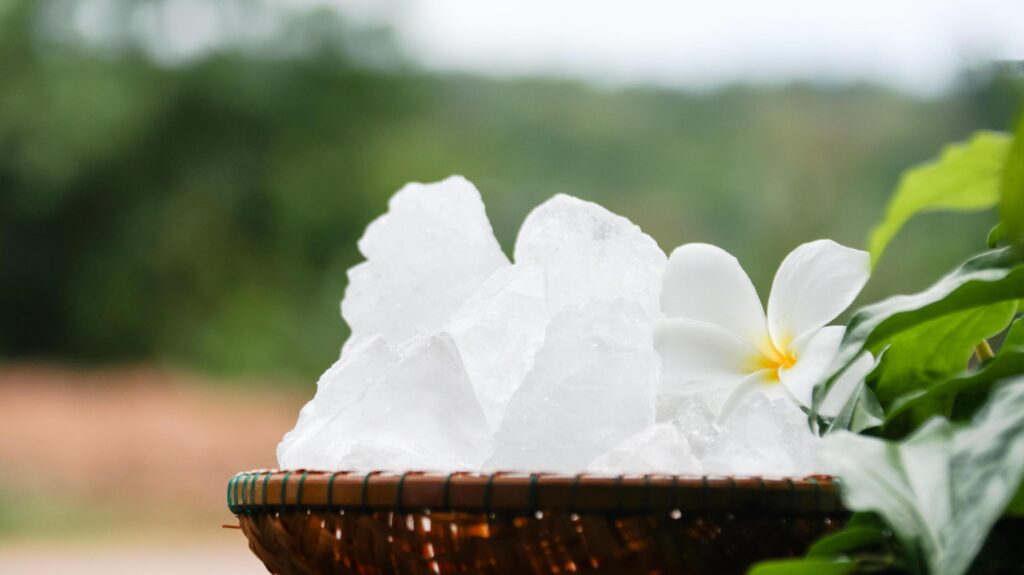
(717, 340)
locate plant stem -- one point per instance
(984, 351)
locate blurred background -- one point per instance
(183, 182)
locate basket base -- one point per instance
(300, 542)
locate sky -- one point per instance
(915, 45)
(920, 46)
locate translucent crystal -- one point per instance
(295, 447)
(348, 379)
(424, 258)
(661, 448)
(590, 387)
(420, 413)
(588, 254)
(459, 360)
(765, 438)
(497, 332)
(693, 418)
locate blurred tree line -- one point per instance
(203, 212)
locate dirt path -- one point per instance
(115, 560)
(101, 470)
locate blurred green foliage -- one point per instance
(204, 212)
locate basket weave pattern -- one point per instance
(325, 523)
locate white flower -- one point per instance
(716, 338)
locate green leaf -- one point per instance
(937, 349)
(846, 541)
(863, 545)
(995, 235)
(989, 278)
(888, 477)
(942, 489)
(1011, 202)
(1014, 337)
(1016, 505)
(1009, 363)
(965, 177)
(861, 411)
(804, 567)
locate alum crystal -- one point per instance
(462, 360)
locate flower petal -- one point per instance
(696, 352)
(703, 282)
(814, 354)
(759, 381)
(846, 385)
(814, 284)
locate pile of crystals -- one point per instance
(461, 359)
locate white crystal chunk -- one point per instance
(661, 448)
(420, 413)
(589, 254)
(424, 258)
(591, 386)
(497, 331)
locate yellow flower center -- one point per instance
(774, 359)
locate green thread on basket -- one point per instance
(330, 489)
(365, 488)
(240, 492)
(234, 491)
(247, 490)
(266, 482)
(398, 493)
(572, 492)
(252, 490)
(284, 486)
(532, 494)
(446, 500)
(298, 495)
(487, 491)
(231, 487)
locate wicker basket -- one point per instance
(308, 522)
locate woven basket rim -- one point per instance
(264, 490)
